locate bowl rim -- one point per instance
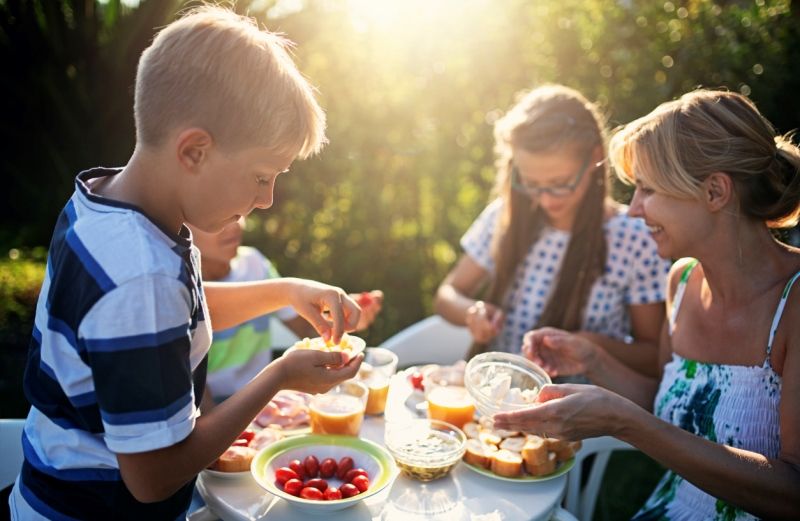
(482, 400)
(280, 447)
(450, 457)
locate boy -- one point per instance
(118, 355)
(239, 353)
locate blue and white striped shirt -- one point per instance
(117, 359)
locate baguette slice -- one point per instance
(565, 452)
(235, 459)
(507, 463)
(514, 444)
(555, 444)
(543, 469)
(479, 454)
(505, 434)
(534, 452)
(472, 430)
(489, 438)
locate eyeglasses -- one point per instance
(518, 184)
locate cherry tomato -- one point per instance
(345, 464)
(284, 474)
(354, 473)
(319, 484)
(349, 490)
(311, 464)
(240, 443)
(364, 299)
(416, 380)
(327, 468)
(311, 493)
(332, 493)
(298, 467)
(293, 487)
(361, 483)
(247, 435)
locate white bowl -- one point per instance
(356, 345)
(373, 458)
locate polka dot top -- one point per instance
(634, 274)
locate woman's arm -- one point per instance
(766, 487)
(640, 355)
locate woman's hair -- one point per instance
(675, 147)
(549, 119)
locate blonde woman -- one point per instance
(552, 249)
(711, 178)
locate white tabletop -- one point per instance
(462, 495)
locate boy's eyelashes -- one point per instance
(264, 180)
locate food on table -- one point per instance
(514, 454)
(498, 388)
(323, 488)
(240, 454)
(503, 382)
(425, 449)
(348, 344)
(234, 459)
(287, 410)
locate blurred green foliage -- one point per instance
(20, 280)
(411, 90)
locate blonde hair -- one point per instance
(675, 147)
(551, 118)
(216, 70)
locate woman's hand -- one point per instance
(569, 412)
(313, 371)
(325, 307)
(484, 321)
(559, 352)
(370, 303)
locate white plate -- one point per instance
(227, 475)
(562, 469)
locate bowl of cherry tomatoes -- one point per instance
(318, 473)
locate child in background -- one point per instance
(239, 353)
(552, 252)
(711, 178)
(117, 360)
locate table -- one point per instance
(462, 495)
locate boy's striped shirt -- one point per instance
(117, 358)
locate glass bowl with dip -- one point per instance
(425, 449)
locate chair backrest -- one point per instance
(279, 334)
(431, 340)
(10, 450)
(580, 501)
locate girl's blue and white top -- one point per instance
(116, 363)
(634, 274)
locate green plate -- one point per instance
(370, 456)
(562, 469)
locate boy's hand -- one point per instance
(312, 371)
(325, 307)
(370, 303)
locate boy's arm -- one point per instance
(230, 304)
(156, 475)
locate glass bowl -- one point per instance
(501, 382)
(425, 449)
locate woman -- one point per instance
(552, 249)
(711, 177)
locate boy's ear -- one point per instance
(193, 145)
(718, 191)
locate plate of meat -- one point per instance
(287, 412)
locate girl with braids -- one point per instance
(552, 250)
(711, 178)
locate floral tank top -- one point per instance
(733, 405)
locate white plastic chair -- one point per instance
(562, 515)
(580, 501)
(279, 334)
(10, 450)
(431, 340)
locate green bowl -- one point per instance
(370, 456)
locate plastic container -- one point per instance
(501, 382)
